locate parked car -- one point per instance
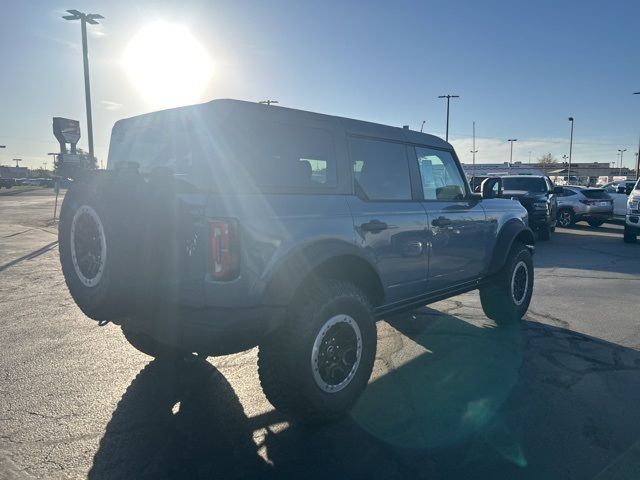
(7, 182)
(233, 224)
(576, 204)
(537, 194)
(619, 192)
(632, 218)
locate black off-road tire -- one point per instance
(595, 223)
(544, 233)
(106, 206)
(505, 300)
(566, 218)
(630, 235)
(290, 379)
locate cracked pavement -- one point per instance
(451, 396)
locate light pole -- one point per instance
(84, 19)
(422, 126)
(638, 152)
(268, 102)
(570, 149)
(448, 97)
(17, 160)
(529, 157)
(474, 151)
(511, 140)
(621, 153)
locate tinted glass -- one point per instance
(441, 179)
(528, 184)
(567, 192)
(595, 193)
(380, 169)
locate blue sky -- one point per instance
(521, 68)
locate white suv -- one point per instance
(632, 218)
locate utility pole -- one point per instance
(84, 19)
(268, 102)
(17, 160)
(621, 153)
(570, 149)
(448, 97)
(422, 126)
(638, 152)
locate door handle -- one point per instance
(441, 222)
(374, 226)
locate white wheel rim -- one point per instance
(321, 350)
(98, 258)
(518, 291)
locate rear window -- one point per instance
(249, 155)
(529, 184)
(593, 193)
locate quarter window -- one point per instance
(441, 179)
(380, 169)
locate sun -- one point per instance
(167, 65)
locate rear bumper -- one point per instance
(211, 330)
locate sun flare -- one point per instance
(167, 65)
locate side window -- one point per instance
(380, 169)
(549, 183)
(568, 193)
(441, 179)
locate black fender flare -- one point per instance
(511, 230)
(285, 278)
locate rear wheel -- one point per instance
(317, 364)
(630, 235)
(595, 223)
(506, 299)
(566, 218)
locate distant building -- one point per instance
(13, 172)
(584, 173)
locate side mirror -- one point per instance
(557, 190)
(491, 187)
(628, 190)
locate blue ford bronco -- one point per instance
(227, 225)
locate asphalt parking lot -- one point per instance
(451, 395)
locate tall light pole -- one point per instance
(448, 97)
(638, 152)
(84, 19)
(422, 126)
(621, 153)
(17, 160)
(511, 140)
(570, 149)
(474, 151)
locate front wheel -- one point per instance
(506, 298)
(317, 364)
(566, 218)
(544, 233)
(630, 236)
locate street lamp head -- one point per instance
(636, 93)
(512, 140)
(77, 15)
(571, 119)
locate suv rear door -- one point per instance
(388, 218)
(460, 235)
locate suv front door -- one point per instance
(459, 231)
(389, 220)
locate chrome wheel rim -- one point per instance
(565, 219)
(520, 283)
(336, 353)
(88, 246)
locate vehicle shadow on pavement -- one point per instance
(448, 399)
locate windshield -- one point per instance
(529, 184)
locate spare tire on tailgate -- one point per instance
(98, 235)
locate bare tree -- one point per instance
(547, 159)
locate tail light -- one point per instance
(225, 249)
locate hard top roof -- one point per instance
(239, 107)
